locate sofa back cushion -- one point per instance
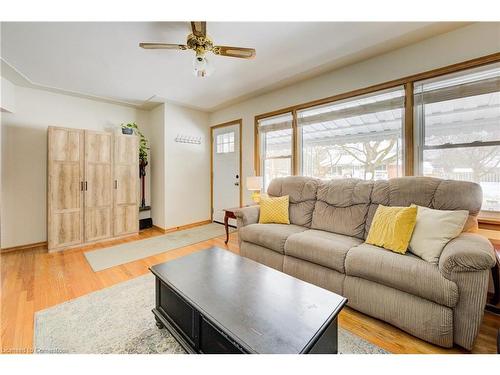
(342, 206)
(347, 206)
(428, 192)
(302, 195)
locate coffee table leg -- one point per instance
(226, 227)
(159, 324)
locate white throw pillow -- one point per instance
(433, 230)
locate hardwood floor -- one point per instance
(33, 280)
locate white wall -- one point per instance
(24, 154)
(155, 132)
(178, 175)
(7, 96)
(187, 167)
(180, 172)
(463, 44)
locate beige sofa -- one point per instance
(324, 245)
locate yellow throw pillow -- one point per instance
(392, 228)
(274, 210)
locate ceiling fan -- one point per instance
(201, 43)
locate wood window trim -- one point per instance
(408, 123)
(408, 149)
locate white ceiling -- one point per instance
(103, 58)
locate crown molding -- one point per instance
(9, 72)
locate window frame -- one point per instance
(261, 161)
(421, 146)
(230, 143)
(359, 110)
(410, 153)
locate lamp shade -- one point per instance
(254, 183)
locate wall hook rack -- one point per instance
(188, 139)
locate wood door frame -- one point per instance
(238, 122)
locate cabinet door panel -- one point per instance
(98, 185)
(67, 228)
(65, 144)
(65, 196)
(125, 150)
(125, 219)
(126, 184)
(126, 176)
(66, 187)
(99, 227)
(98, 147)
(99, 189)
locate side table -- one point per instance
(496, 278)
(228, 214)
(494, 237)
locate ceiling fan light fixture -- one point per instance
(202, 67)
(199, 42)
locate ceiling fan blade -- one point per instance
(162, 46)
(243, 53)
(199, 28)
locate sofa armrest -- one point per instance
(247, 215)
(466, 261)
(468, 252)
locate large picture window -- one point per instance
(360, 137)
(442, 123)
(458, 125)
(275, 139)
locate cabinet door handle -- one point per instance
(81, 185)
(116, 184)
(85, 185)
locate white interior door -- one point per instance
(226, 170)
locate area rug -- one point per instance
(130, 251)
(118, 319)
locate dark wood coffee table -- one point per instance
(214, 301)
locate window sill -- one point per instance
(489, 222)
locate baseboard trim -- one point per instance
(182, 227)
(83, 245)
(44, 243)
(24, 247)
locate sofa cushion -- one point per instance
(392, 227)
(274, 210)
(320, 247)
(302, 195)
(407, 273)
(427, 192)
(272, 236)
(342, 206)
(433, 230)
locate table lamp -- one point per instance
(254, 184)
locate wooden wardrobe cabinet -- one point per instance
(93, 186)
(126, 185)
